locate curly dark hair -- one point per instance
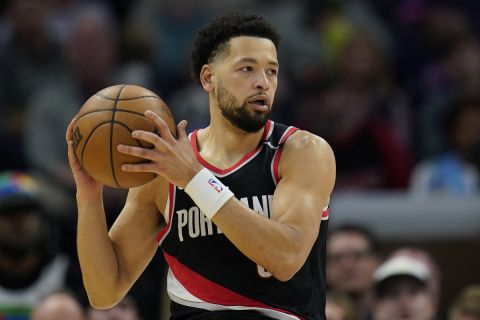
(212, 39)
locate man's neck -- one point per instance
(223, 144)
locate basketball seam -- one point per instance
(139, 143)
(125, 99)
(88, 139)
(130, 130)
(109, 110)
(111, 134)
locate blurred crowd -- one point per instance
(391, 85)
(406, 283)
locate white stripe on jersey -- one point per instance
(272, 124)
(178, 293)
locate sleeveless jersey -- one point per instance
(208, 274)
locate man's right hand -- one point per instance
(86, 185)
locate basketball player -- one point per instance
(240, 208)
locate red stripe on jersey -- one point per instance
(266, 130)
(278, 153)
(171, 202)
(326, 213)
(276, 161)
(209, 291)
(248, 156)
(205, 289)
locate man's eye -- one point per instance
(272, 72)
(246, 69)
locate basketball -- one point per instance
(108, 119)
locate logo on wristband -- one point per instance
(215, 184)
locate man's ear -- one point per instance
(206, 77)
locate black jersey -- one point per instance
(208, 273)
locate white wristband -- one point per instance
(208, 192)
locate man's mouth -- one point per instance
(259, 104)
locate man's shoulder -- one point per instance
(305, 150)
(302, 140)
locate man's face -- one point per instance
(405, 298)
(245, 81)
(350, 262)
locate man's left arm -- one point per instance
(282, 244)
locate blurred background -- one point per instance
(393, 86)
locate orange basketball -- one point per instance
(106, 120)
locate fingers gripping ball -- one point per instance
(108, 119)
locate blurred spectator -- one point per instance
(4, 28)
(455, 171)
(339, 307)
(29, 266)
(303, 52)
(352, 257)
(219, 7)
(456, 77)
(364, 117)
(58, 305)
(191, 103)
(425, 258)
(27, 60)
(467, 305)
(337, 21)
(125, 310)
(91, 56)
(136, 60)
(172, 24)
(407, 287)
(60, 17)
(423, 31)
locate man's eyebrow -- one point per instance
(252, 60)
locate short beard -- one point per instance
(239, 116)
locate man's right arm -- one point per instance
(112, 261)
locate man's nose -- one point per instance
(261, 81)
